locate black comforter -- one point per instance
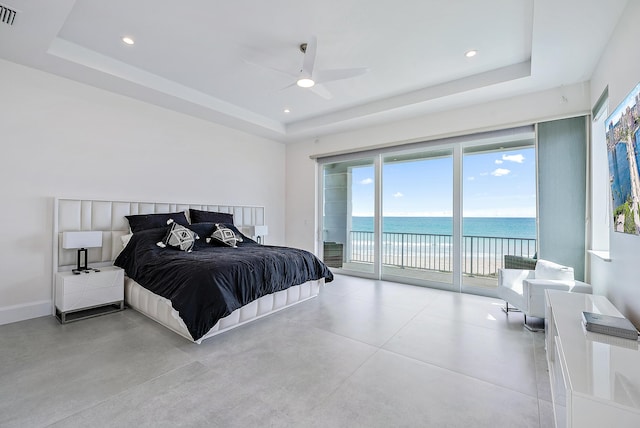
(213, 281)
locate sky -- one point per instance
(495, 184)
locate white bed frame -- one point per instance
(109, 218)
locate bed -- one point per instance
(153, 299)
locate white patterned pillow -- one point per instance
(179, 237)
(225, 236)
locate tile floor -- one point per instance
(363, 354)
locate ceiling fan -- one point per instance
(310, 78)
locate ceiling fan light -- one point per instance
(305, 82)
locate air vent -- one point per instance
(7, 15)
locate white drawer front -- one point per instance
(94, 297)
(89, 289)
(92, 281)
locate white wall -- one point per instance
(62, 138)
(301, 170)
(619, 69)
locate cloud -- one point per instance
(484, 173)
(366, 181)
(513, 158)
(398, 195)
(500, 172)
(498, 161)
(471, 178)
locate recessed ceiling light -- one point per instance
(287, 110)
(128, 40)
(471, 53)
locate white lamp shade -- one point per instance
(81, 239)
(258, 230)
(261, 230)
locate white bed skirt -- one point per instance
(159, 309)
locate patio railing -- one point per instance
(482, 255)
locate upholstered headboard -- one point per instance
(109, 218)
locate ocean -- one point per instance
(498, 227)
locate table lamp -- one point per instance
(257, 232)
(81, 241)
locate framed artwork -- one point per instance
(623, 135)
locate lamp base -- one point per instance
(82, 263)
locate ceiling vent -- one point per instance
(7, 15)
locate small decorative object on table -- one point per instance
(609, 324)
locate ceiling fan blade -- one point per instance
(266, 67)
(316, 89)
(322, 76)
(321, 91)
(288, 86)
(309, 57)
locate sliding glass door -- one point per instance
(348, 236)
(444, 215)
(417, 217)
(499, 210)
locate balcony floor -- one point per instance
(486, 284)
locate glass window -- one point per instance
(445, 214)
(417, 220)
(348, 214)
(499, 209)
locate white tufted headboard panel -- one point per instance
(109, 218)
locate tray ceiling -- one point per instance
(233, 62)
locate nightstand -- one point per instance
(89, 294)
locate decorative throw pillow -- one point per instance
(179, 237)
(225, 236)
(239, 235)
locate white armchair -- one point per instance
(524, 289)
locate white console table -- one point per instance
(595, 378)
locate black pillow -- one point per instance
(198, 216)
(140, 222)
(179, 237)
(203, 229)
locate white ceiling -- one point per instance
(219, 60)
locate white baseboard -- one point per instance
(9, 314)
